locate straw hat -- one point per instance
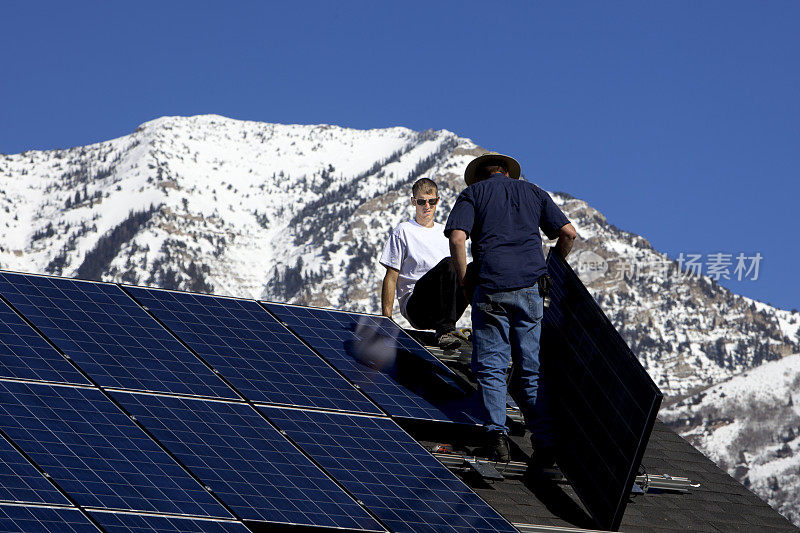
(510, 163)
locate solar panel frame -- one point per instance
(26, 355)
(24, 519)
(116, 522)
(395, 477)
(337, 336)
(254, 469)
(109, 336)
(604, 403)
(96, 453)
(258, 355)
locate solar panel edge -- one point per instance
(617, 520)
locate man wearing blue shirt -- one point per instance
(502, 215)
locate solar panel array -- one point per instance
(259, 355)
(384, 361)
(604, 402)
(138, 410)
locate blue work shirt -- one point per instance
(502, 216)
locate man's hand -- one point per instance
(387, 291)
(566, 237)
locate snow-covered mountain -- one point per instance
(750, 426)
(300, 213)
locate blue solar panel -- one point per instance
(246, 462)
(604, 402)
(109, 336)
(24, 354)
(136, 523)
(400, 482)
(259, 356)
(96, 453)
(389, 366)
(19, 519)
(21, 482)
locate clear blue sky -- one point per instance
(680, 121)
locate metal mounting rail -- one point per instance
(518, 468)
(535, 528)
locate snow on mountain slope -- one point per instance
(750, 426)
(300, 213)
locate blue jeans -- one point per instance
(506, 327)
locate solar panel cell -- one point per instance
(247, 463)
(96, 453)
(109, 336)
(388, 365)
(253, 351)
(385, 468)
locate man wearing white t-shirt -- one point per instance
(420, 270)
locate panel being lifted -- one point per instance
(259, 356)
(604, 403)
(110, 336)
(389, 366)
(97, 454)
(254, 469)
(395, 477)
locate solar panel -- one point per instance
(604, 403)
(389, 366)
(23, 519)
(246, 462)
(259, 356)
(24, 354)
(96, 453)
(21, 482)
(110, 336)
(400, 482)
(137, 523)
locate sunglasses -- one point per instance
(430, 201)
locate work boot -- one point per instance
(448, 340)
(497, 447)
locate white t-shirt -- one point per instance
(413, 249)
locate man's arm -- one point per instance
(458, 251)
(566, 237)
(387, 290)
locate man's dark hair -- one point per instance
(490, 167)
(424, 185)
